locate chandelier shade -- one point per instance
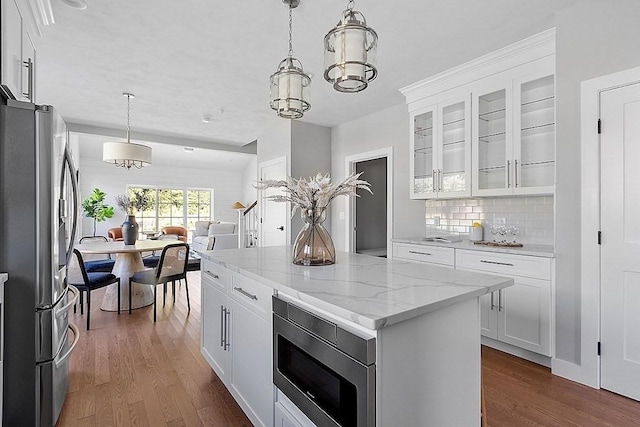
(290, 84)
(350, 53)
(126, 154)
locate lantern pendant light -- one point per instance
(127, 154)
(350, 52)
(290, 84)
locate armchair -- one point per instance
(115, 234)
(181, 232)
(221, 231)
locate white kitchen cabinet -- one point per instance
(521, 314)
(236, 338)
(17, 72)
(283, 418)
(441, 149)
(514, 131)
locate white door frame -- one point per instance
(350, 167)
(588, 372)
(262, 201)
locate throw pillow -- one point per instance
(202, 227)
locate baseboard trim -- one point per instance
(517, 351)
(570, 371)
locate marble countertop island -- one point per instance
(370, 291)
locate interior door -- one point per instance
(274, 221)
(620, 249)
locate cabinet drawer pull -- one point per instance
(500, 300)
(222, 311)
(215, 276)
(246, 294)
(419, 253)
(492, 304)
(497, 263)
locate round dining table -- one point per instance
(128, 261)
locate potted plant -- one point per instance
(95, 207)
(135, 201)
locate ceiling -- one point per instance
(190, 58)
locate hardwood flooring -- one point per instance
(128, 371)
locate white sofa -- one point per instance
(225, 233)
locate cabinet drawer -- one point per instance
(214, 273)
(512, 265)
(253, 295)
(424, 253)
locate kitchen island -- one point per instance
(425, 321)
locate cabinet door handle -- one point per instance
(246, 294)
(419, 253)
(222, 311)
(440, 181)
(508, 174)
(492, 304)
(29, 94)
(500, 300)
(434, 180)
(497, 263)
(215, 276)
(515, 172)
(226, 329)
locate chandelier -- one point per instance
(127, 154)
(350, 52)
(290, 84)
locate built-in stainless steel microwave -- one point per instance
(325, 370)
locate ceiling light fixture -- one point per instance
(127, 154)
(350, 51)
(76, 4)
(290, 84)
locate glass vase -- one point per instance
(314, 246)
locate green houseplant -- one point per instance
(95, 207)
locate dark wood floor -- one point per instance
(128, 371)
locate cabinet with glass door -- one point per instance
(441, 150)
(514, 132)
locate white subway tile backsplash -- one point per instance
(533, 215)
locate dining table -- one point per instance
(128, 261)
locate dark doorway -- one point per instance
(371, 209)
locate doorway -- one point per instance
(369, 217)
(274, 219)
(610, 310)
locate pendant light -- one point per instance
(290, 84)
(350, 52)
(127, 154)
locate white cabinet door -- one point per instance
(441, 150)
(488, 318)
(283, 418)
(11, 47)
(251, 381)
(214, 328)
(524, 314)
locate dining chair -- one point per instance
(97, 262)
(86, 282)
(171, 267)
(151, 261)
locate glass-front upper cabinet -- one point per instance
(441, 150)
(514, 133)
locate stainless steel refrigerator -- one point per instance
(38, 219)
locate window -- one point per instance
(170, 206)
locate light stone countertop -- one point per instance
(370, 291)
(4, 277)
(545, 251)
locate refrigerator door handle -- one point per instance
(62, 310)
(76, 337)
(68, 163)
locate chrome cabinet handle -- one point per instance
(492, 304)
(434, 179)
(515, 172)
(440, 180)
(500, 300)
(508, 174)
(246, 294)
(222, 311)
(215, 276)
(419, 253)
(29, 93)
(226, 329)
(497, 263)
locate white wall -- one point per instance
(228, 187)
(250, 175)
(594, 38)
(386, 128)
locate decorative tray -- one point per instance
(500, 245)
